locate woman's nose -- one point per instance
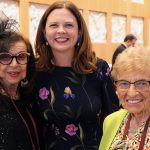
(13, 62)
(132, 90)
(61, 29)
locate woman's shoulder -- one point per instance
(118, 115)
(101, 61)
(102, 65)
(103, 69)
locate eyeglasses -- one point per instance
(21, 58)
(140, 85)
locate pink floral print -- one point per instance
(43, 93)
(71, 129)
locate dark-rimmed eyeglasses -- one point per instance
(21, 58)
(140, 85)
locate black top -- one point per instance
(73, 106)
(13, 132)
(119, 50)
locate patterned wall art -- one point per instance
(137, 28)
(35, 13)
(118, 28)
(97, 26)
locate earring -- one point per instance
(24, 83)
(78, 44)
(46, 43)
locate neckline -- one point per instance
(143, 136)
(63, 68)
(4, 93)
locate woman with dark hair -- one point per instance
(17, 67)
(73, 88)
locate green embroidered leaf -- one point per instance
(52, 145)
(69, 110)
(75, 147)
(73, 80)
(81, 133)
(52, 97)
(74, 75)
(94, 147)
(78, 113)
(66, 114)
(64, 138)
(45, 113)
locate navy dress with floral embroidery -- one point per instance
(73, 106)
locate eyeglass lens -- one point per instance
(21, 58)
(139, 85)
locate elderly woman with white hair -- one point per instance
(129, 128)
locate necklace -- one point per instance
(132, 131)
(143, 136)
(27, 127)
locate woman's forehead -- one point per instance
(133, 75)
(18, 46)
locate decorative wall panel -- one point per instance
(118, 28)
(35, 11)
(137, 28)
(97, 27)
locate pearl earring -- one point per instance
(46, 43)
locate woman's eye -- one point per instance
(53, 25)
(123, 84)
(69, 25)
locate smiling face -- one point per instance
(61, 31)
(136, 102)
(13, 73)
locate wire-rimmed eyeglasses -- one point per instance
(140, 85)
(21, 58)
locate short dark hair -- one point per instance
(129, 37)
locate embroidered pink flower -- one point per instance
(71, 129)
(43, 93)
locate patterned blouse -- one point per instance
(73, 106)
(130, 144)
